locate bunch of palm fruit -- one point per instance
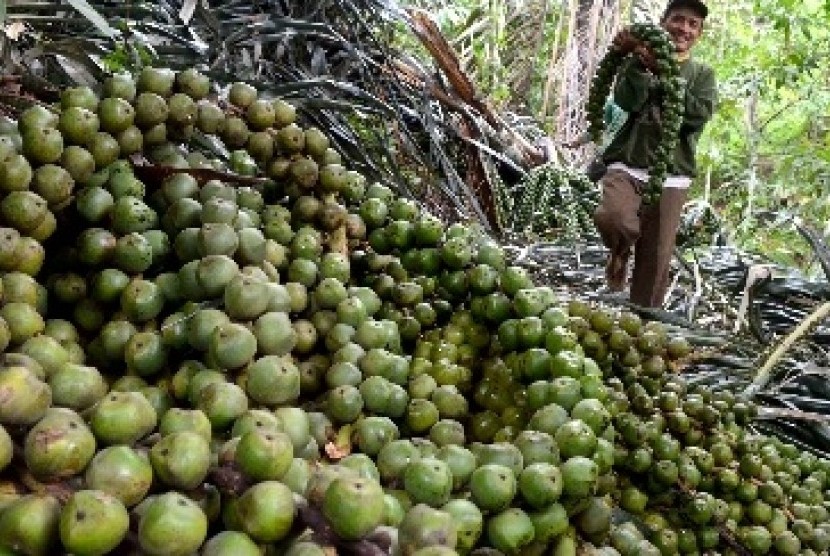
(666, 80)
(552, 200)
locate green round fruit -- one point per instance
(29, 525)
(541, 484)
(120, 471)
(6, 448)
(231, 543)
(468, 520)
(60, 445)
(579, 477)
(511, 531)
(423, 527)
(428, 481)
(15, 174)
(172, 525)
(26, 397)
(92, 523)
(264, 455)
(273, 380)
(181, 459)
(575, 438)
(353, 506)
(77, 387)
(492, 487)
(122, 418)
(266, 511)
(223, 402)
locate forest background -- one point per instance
(765, 157)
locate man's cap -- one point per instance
(695, 5)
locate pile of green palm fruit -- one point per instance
(265, 354)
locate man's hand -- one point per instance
(580, 141)
(646, 57)
(625, 42)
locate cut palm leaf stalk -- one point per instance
(670, 86)
(765, 371)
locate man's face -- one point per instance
(685, 26)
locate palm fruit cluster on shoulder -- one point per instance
(307, 363)
(671, 88)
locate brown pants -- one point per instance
(651, 233)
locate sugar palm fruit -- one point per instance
(15, 174)
(36, 116)
(181, 459)
(273, 380)
(9, 242)
(23, 210)
(6, 448)
(295, 422)
(177, 419)
(579, 476)
(122, 418)
(181, 109)
(423, 527)
(468, 520)
(241, 94)
(353, 506)
(540, 484)
(264, 455)
(120, 471)
(130, 141)
(59, 445)
(595, 521)
(246, 298)
(575, 438)
(77, 387)
(428, 481)
(274, 334)
(29, 525)
(78, 125)
(492, 487)
(510, 531)
(156, 80)
(120, 86)
(222, 402)
(150, 110)
(43, 145)
(5, 335)
(115, 114)
(25, 397)
(8, 142)
(92, 523)
(305, 548)
(172, 524)
(82, 96)
(285, 113)
(231, 543)
(266, 511)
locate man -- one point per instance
(623, 222)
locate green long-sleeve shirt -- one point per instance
(635, 92)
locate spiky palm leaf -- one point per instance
(332, 59)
